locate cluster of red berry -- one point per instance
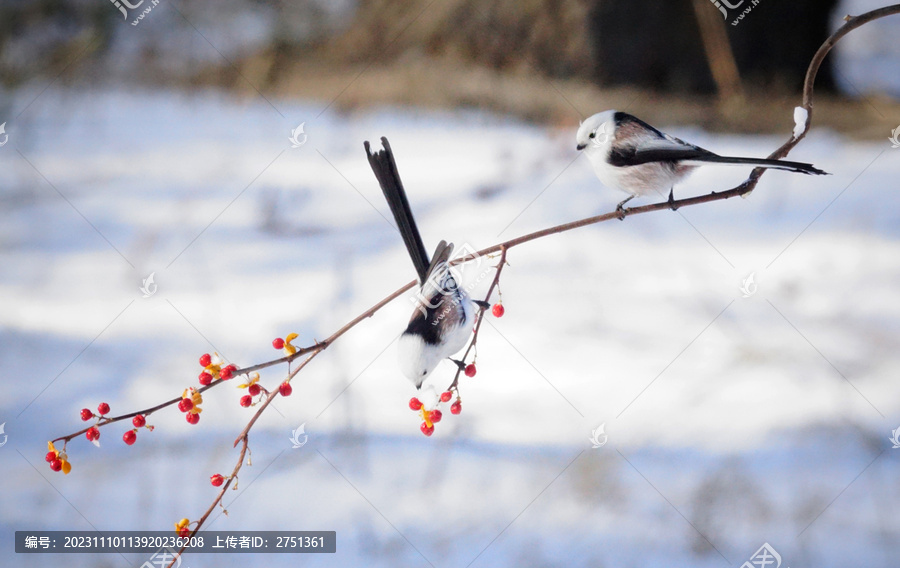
(433, 416)
(190, 404)
(212, 368)
(139, 421)
(57, 459)
(254, 389)
(93, 433)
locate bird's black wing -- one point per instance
(639, 143)
(698, 156)
(385, 169)
(632, 156)
(439, 259)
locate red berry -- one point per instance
(446, 396)
(205, 378)
(50, 456)
(185, 404)
(285, 389)
(129, 437)
(184, 532)
(455, 408)
(225, 373)
(216, 479)
(56, 464)
(246, 400)
(436, 416)
(139, 421)
(470, 370)
(86, 414)
(278, 343)
(103, 408)
(254, 389)
(93, 434)
(205, 360)
(498, 310)
(415, 403)
(426, 429)
(192, 418)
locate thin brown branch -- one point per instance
(218, 499)
(487, 298)
(286, 359)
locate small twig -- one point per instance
(218, 499)
(487, 298)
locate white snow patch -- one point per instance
(801, 115)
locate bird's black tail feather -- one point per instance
(385, 169)
(798, 167)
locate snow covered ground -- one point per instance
(731, 420)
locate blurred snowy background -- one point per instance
(733, 418)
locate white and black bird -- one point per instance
(630, 155)
(444, 315)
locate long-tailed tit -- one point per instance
(630, 155)
(444, 315)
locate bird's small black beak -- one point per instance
(581, 147)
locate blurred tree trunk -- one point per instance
(719, 54)
(658, 45)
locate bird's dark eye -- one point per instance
(424, 373)
(592, 134)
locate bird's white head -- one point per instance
(417, 359)
(597, 132)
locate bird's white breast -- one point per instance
(653, 179)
